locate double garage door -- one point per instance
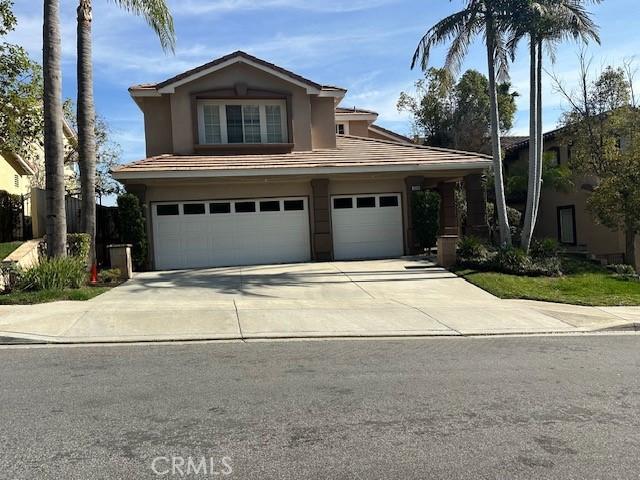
(272, 230)
(231, 232)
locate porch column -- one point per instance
(476, 194)
(322, 241)
(413, 184)
(448, 238)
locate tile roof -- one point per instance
(354, 110)
(351, 151)
(378, 128)
(225, 58)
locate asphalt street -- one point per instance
(565, 407)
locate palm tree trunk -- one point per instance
(527, 230)
(86, 125)
(501, 204)
(53, 134)
(539, 139)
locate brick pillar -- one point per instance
(448, 238)
(412, 183)
(476, 194)
(322, 241)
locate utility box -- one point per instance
(120, 257)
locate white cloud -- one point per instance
(199, 7)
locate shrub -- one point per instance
(471, 248)
(132, 228)
(110, 275)
(622, 269)
(78, 245)
(54, 274)
(546, 248)
(426, 217)
(515, 261)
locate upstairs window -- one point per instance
(342, 128)
(242, 121)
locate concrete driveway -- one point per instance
(399, 297)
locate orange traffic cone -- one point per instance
(94, 274)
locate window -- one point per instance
(567, 225)
(16, 181)
(553, 156)
(212, 132)
(340, 130)
(251, 118)
(220, 207)
(274, 123)
(389, 201)
(242, 121)
(193, 208)
(290, 205)
(270, 206)
(366, 202)
(339, 203)
(165, 210)
(245, 207)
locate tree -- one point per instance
(132, 228)
(602, 129)
(544, 23)
(456, 115)
(53, 135)
(426, 220)
(21, 120)
(491, 19)
(157, 15)
(108, 153)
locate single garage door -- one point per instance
(230, 232)
(367, 226)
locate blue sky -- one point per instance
(362, 45)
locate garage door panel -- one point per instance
(223, 237)
(371, 232)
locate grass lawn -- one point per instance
(46, 296)
(7, 248)
(584, 283)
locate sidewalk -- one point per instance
(354, 299)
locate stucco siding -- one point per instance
(323, 129)
(227, 78)
(359, 128)
(157, 125)
(8, 172)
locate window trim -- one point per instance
(261, 103)
(346, 128)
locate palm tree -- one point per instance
(53, 134)
(491, 18)
(544, 23)
(157, 15)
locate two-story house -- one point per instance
(250, 163)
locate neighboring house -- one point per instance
(563, 215)
(15, 173)
(19, 175)
(245, 167)
(359, 122)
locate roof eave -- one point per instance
(288, 171)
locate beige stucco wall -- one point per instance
(182, 122)
(359, 128)
(323, 126)
(598, 240)
(8, 172)
(157, 125)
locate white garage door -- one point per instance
(230, 232)
(367, 226)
